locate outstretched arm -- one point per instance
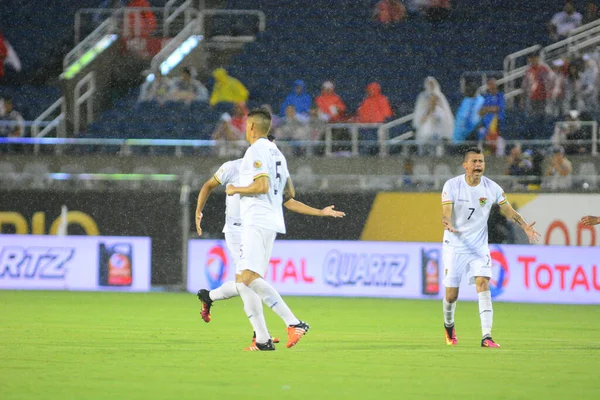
(589, 220)
(509, 212)
(206, 190)
(301, 208)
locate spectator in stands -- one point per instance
(232, 127)
(188, 89)
(389, 12)
(573, 92)
(11, 121)
(589, 84)
(492, 113)
(316, 130)
(564, 22)
(591, 12)
(299, 99)
(292, 128)
(519, 164)
(227, 89)
(160, 89)
(560, 171)
(572, 130)
(537, 86)
(375, 108)
(139, 23)
(8, 56)
(330, 105)
(468, 119)
(433, 118)
(557, 94)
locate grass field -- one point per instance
(57, 345)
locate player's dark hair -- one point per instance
(264, 113)
(264, 117)
(475, 150)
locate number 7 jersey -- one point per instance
(263, 158)
(470, 212)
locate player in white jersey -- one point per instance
(466, 203)
(227, 174)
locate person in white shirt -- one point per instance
(564, 22)
(227, 174)
(466, 204)
(264, 185)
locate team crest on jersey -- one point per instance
(257, 164)
(482, 201)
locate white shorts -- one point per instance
(458, 264)
(234, 242)
(256, 249)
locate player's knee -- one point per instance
(482, 284)
(451, 298)
(248, 277)
(238, 278)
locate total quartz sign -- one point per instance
(520, 273)
(558, 217)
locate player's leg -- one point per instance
(453, 265)
(482, 271)
(252, 254)
(228, 289)
(295, 328)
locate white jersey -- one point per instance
(229, 173)
(470, 212)
(263, 158)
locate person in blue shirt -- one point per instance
(299, 99)
(493, 106)
(468, 119)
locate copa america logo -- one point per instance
(500, 271)
(216, 266)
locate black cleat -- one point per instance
(268, 346)
(204, 297)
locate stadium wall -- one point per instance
(385, 216)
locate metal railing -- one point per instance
(354, 136)
(262, 19)
(88, 85)
(561, 128)
(195, 27)
(58, 108)
(169, 20)
(107, 27)
(326, 146)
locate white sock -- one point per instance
(449, 312)
(486, 312)
(272, 299)
(224, 292)
(254, 311)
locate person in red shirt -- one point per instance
(143, 23)
(375, 108)
(3, 54)
(537, 86)
(330, 104)
(389, 11)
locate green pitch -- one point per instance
(65, 345)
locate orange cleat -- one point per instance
(295, 333)
(450, 333)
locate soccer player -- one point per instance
(466, 203)
(264, 184)
(228, 173)
(590, 220)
